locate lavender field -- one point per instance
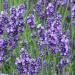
(37, 37)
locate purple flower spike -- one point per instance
(49, 22)
(38, 7)
(20, 22)
(30, 21)
(41, 15)
(5, 5)
(40, 29)
(3, 49)
(50, 10)
(13, 11)
(45, 63)
(26, 64)
(64, 61)
(21, 8)
(73, 11)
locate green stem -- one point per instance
(54, 66)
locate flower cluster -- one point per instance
(26, 64)
(15, 24)
(9, 26)
(46, 38)
(51, 36)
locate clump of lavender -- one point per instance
(53, 38)
(48, 38)
(9, 24)
(26, 64)
(15, 24)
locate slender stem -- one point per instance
(54, 66)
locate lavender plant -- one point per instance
(37, 39)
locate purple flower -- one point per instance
(61, 2)
(58, 16)
(39, 62)
(11, 42)
(25, 63)
(5, 5)
(21, 8)
(38, 7)
(20, 22)
(63, 62)
(56, 27)
(33, 67)
(13, 11)
(10, 30)
(51, 39)
(3, 49)
(41, 15)
(4, 17)
(46, 2)
(56, 50)
(73, 11)
(40, 30)
(45, 63)
(49, 22)
(64, 45)
(19, 65)
(13, 20)
(30, 21)
(50, 10)
(1, 31)
(66, 73)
